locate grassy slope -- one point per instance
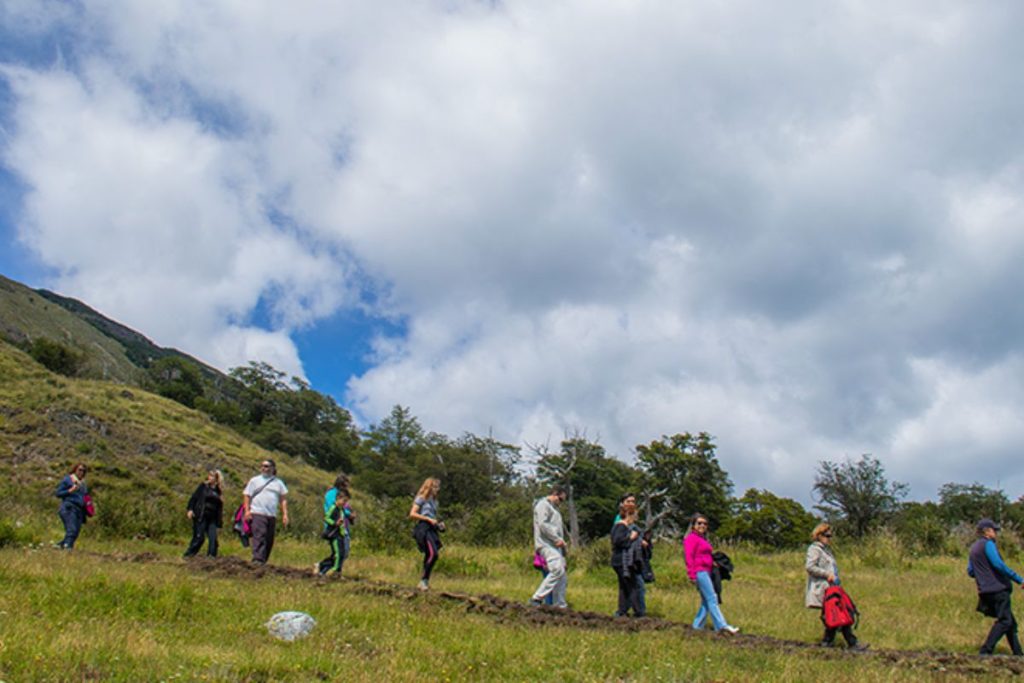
(108, 619)
(147, 453)
(26, 314)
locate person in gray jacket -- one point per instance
(549, 541)
(822, 572)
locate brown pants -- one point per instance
(262, 528)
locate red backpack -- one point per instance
(837, 609)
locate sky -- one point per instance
(796, 226)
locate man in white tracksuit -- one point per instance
(549, 541)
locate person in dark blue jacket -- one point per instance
(995, 583)
(72, 491)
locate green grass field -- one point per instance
(135, 611)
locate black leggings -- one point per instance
(429, 557)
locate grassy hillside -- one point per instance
(147, 453)
(136, 612)
(26, 314)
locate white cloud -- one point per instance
(766, 222)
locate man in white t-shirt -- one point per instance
(261, 498)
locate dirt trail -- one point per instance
(503, 610)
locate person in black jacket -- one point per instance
(206, 510)
(627, 559)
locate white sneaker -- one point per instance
(423, 585)
(730, 630)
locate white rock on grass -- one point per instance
(290, 626)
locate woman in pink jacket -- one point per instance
(699, 564)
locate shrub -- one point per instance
(13, 534)
(385, 525)
(55, 356)
(505, 523)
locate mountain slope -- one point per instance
(26, 314)
(146, 453)
(111, 350)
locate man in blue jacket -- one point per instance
(995, 583)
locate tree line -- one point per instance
(488, 495)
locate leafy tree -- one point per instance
(970, 502)
(393, 455)
(769, 520)
(685, 473)
(290, 417)
(264, 388)
(595, 483)
(177, 379)
(55, 357)
(857, 494)
(474, 470)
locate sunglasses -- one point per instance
(264, 467)
(827, 534)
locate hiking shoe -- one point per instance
(857, 647)
(730, 630)
(826, 643)
(423, 585)
(534, 602)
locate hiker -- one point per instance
(72, 492)
(549, 541)
(426, 531)
(645, 541)
(206, 510)
(697, 552)
(261, 498)
(995, 583)
(822, 572)
(337, 516)
(627, 559)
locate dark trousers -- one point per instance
(73, 517)
(262, 528)
(629, 594)
(339, 553)
(998, 605)
(847, 631)
(203, 529)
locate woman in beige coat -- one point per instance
(822, 571)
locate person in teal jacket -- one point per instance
(338, 516)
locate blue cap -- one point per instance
(987, 524)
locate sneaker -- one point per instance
(730, 630)
(423, 585)
(827, 643)
(534, 602)
(857, 647)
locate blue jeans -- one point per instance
(708, 604)
(73, 517)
